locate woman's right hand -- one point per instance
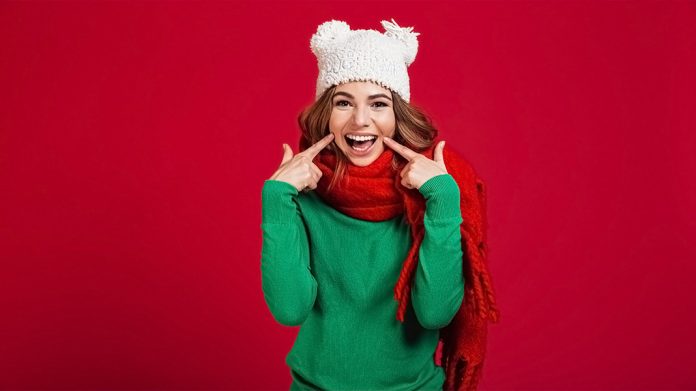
(298, 170)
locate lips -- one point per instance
(360, 143)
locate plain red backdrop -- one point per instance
(135, 137)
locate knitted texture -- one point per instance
(345, 55)
(375, 193)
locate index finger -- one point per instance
(312, 151)
(400, 149)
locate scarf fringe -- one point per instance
(402, 290)
(463, 375)
(484, 297)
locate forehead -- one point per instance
(363, 88)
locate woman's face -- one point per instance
(362, 113)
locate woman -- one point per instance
(373, 207)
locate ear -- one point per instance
(328, 34)
(405, 36)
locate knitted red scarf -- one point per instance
(375, 193)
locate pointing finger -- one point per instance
(316, 170)
(312, 151)
(400, 149)
(437, 154)
(287, 154)
(405, 169)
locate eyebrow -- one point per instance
(369, 97)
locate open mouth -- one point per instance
(360, 143)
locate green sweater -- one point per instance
(335, 275)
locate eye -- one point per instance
(381, 104)
(340, 103)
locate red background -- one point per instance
(135, 137)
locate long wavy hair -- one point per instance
(414, 129)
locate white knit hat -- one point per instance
(364, 55)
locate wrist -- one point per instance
(442, 196)
(278, 201)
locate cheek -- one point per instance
(388, 126)
(335, 122)
(335, 129)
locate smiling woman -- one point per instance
(372, 264)
(362, 115)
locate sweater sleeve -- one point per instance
(289, 288)
(438, 288)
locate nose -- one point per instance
(361, 117)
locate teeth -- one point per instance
(360, 138)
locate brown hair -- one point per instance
(414, 128)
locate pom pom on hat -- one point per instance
(328, 33)
(345, 55)
(406, 36)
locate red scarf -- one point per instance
(375, 193)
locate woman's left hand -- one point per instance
(419, 168)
